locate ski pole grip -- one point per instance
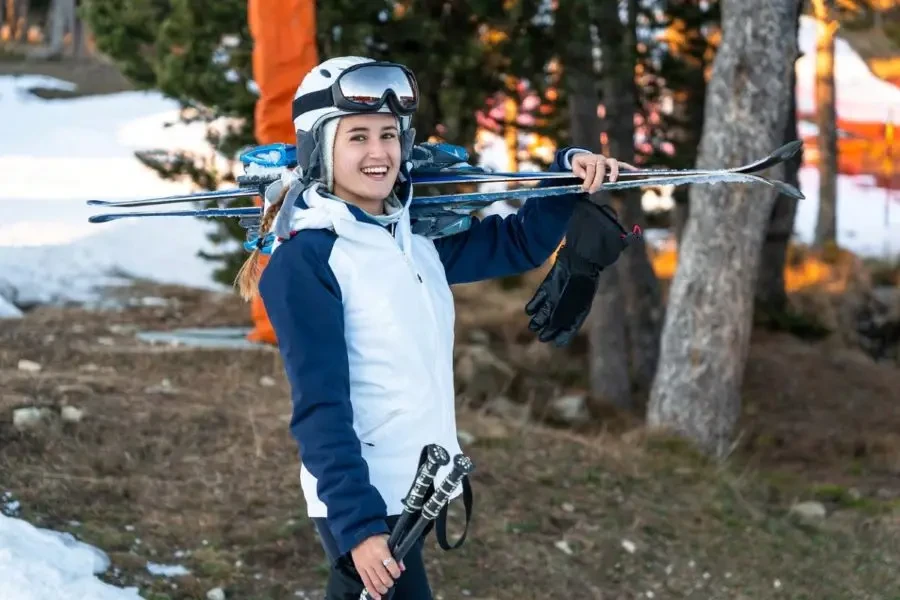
(462, 466)
(437, 457)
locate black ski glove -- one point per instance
(594, 241)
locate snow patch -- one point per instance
(41, 564)
(166, 570)
(8, 310)
(56, 154)
(859, 94)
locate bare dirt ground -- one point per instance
(183, 456)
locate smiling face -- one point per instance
(366, 159)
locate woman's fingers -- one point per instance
(392, 567)
(375, 565)
(590, 169)
(578, 169)
(375, 589)
(613, 169)
(381, 578)
(599, 174)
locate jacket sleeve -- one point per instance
(303, 300)
(498, 246)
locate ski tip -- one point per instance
(788, 150)
(97, 202)
(788, 190)
(101, 218)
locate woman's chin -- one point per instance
(376, 192)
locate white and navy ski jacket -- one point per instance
(364, 319)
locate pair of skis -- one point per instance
(446, 207)
(418, 512)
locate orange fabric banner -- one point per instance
(284, 50)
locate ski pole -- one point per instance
(462, 466)
(436, 458)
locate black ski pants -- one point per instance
(343, 584)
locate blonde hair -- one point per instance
(247, 279)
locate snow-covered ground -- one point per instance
(859, 94)
(54, 155)
(868, 222)
(42, 564)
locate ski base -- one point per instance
(445, 214)
(259, 175)
(464, 204)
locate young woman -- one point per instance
(362, 307)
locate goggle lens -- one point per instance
(366, 86)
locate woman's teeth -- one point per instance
(375, 171)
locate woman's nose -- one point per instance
(377, 148)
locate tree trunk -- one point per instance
(771, 295)
(62, 21)
(681, 212)
(643, 299)
(827, 26)
(610, 382)
(57, 22)
(609, 375)
(706, 335)
(81, 33)
(689, 105)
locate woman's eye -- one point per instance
(358, 138)
(389, 136)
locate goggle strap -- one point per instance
(311, 101)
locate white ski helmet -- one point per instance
(316, 103)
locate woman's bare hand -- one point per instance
(375, 565)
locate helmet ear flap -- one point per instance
(307, 157)
(407, 139)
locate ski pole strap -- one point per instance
(440, 525)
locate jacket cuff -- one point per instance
(565, 157)
(348, 542)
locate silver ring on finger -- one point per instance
(387, 561)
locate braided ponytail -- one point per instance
(247, 279)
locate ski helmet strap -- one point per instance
(307, 156)
(407, 139)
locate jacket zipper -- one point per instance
(409, 263)
(425, 297)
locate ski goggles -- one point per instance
(365, 88)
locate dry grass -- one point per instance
(202, 472)
(811, 407)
